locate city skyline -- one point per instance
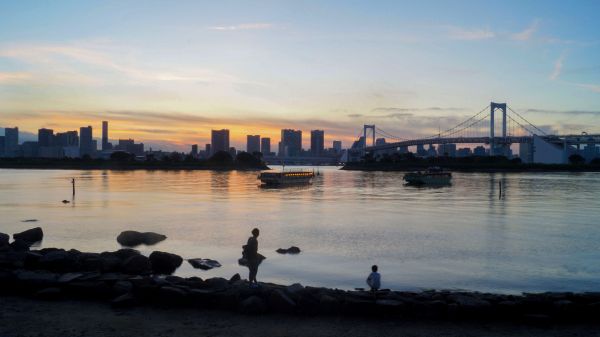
(175, 75)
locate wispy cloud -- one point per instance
(591, 87)
(528, 32)
(558, 65)
(6, 77)
(244, 26)
(473, 34)
(565, 112)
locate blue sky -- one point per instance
(166, 72)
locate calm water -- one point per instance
(543, 234)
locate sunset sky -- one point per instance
(167, 72)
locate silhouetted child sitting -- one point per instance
(374, 280)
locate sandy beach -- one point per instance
(21, 317)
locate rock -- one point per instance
(51, 293)
(37, 278)
(29, 220)
(235, 278)
(329, 304)
(20, 246)
(126, 300)
(291, 250)
(122, 287)
(253, 305)
(295, 289)
(13, 259)
(68, 277)
(280, 302)
(30, 236)
(110, 263)
(65, 201)
(125, 253)
(216, 283)
(164, 263)
(204, 264)
(134, 238)
(469, 302)
(4, 238)
(136, 264)
(57, 261)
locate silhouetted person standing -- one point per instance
(252, 256)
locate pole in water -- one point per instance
(73, 182)
(500, 186)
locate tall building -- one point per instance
(194, 150)
(2, 146)
(265, 146)
(447, 150)
(208, 150)
(337, 146)
(69, 138)
(317, 142)
(129, 145)
(480, 151)
(219, 141)
(291, 143)
(11, 142)
(379, 141)
(105, 145)
(252, 143)
(85, 142)
(45, 137)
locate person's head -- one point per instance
(374, 268)
(255, 232)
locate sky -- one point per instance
(167, 72)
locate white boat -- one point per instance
(433, 176)
(286, 178)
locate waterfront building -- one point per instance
(85, 142)
(11, 142)
(29, 149)
(63, 139)
(463, 152)
(431, 152)
(194, 152)
(379, 141)
(45, 137)
(2, 145)
(219, 140)
(337, 146)
(252, 143)
(421, 152)
(106, 146)
(479, 151)
(232, 152)
(317, 142)
(291, 143)
(265, 146)
(129, 145)
(447, 150)
(208, 150)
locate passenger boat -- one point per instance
(433, 176)
(286, 178)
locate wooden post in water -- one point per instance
(73, 182)
(500, 186)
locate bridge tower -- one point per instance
(493, 108)
(365, 129)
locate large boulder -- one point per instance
(280, 302)
(4, 240)
(134, 238)
(204, 264)
(164, 263)
(59, 260)
(31, 235)
(136, 264)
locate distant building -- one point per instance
(479, 151)
(232, 151)
(463, 152)
(379, 141)
(526, 152)
(85, 142)
(45, 137)
(252, 143)
(11, 142)
(219, 140)
(447, 150)
(421, 152)
(265, 146)
(2, 146)
(69, 138)
(194, 150)
(208, 150)
(29, 149)
(106, 146)
(291, 143)
(317, 142)
(431, 152)
(337, 146)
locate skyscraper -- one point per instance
(194, 152)
(11, 142)
(317, 142)
(85, 141)
(219, 141)
(45, 137)
(337, 146)
(291, 143)
(265, 146)
(69, 138)
(252, 143)
(2, 146)
(105, 145)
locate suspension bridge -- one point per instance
(481, 128)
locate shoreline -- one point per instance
(538, 168)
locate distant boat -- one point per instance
(285, 178)
(433, 176)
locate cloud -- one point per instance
(355, 115)
(244, 26)
(458, 33)
(6, 77)
(591, 87)
(528, 33)
(565, 112)
(557, 67)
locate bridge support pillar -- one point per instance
(365, 128)
(493, 108)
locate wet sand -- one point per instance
(20, 317)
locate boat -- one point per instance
(433, 176)
(284, 178)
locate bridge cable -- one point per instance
(528, 122)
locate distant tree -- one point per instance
(257, 154)
(247, 159)
(175, 157)
(86, 157)
(595, 161)
(576, 159)
(516, 161)
(221, 158)
(122, 156)
(189, 158)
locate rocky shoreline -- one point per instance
(126, 278)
